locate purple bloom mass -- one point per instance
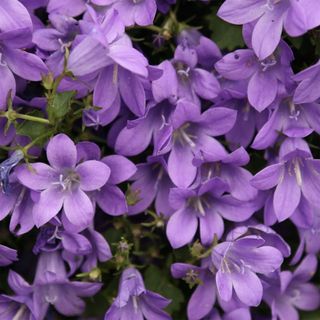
(159, 159)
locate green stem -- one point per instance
(31, 118)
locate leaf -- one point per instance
(32, 129)
(156, 280)
(315, 315)
(61, 105)
(225, 35)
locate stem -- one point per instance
(31, 118)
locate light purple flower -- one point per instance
(205, 205)
(291, 291)
(135, 302)
(295, 179)
(52, 286)
(64, 184)
(271, 16)
(238, 263)
(20, 305)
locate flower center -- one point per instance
(183, 70)
(68, 180)
(294, 111)
(198, 204)
(184, 137)
(268, 62)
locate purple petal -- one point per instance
(262, 89)
(93, 174)
(112, 200)
(180, 218)
(38, 176)
(26, 65)
(50, 203)
(61, 152)
(78, 208)
(248, 287)
(240, 13)
(121, 168)
(268, 177)
(202, 299)
(286, 196)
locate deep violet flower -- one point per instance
(64, 183)
(135, 302)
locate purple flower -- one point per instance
(151, 183)
(7, 255)
(64, 183)
(309, 85)
(227, 168)
(208, 52)
(110, 198)
(16, 33)
(56, 40)
(289, 118)
(292, 290)
(295, 179)
(207, 206)
(265, 76)
(204, 296)
(238, 263)
(182, 79)
(20, 305)
(190, 133)
(141, 12)
(52, 286)
(296, 17)
(135, 302)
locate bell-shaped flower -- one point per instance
(135, 302)
(205, 205)
(51, 286)
(20, 305)
(271, 16)
(294, 182)
(64, 184)
(309, 85)
(265, 77)
(238, 263)
(190, 133)
(292, 290)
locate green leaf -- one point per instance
(315, 315)
(61, 105)
(158, 281)
(32, 129)
(225, 35)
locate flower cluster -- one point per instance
(136, 152)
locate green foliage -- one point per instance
(32, 129)
(159, 281)
(60, 106)
(225, 35)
